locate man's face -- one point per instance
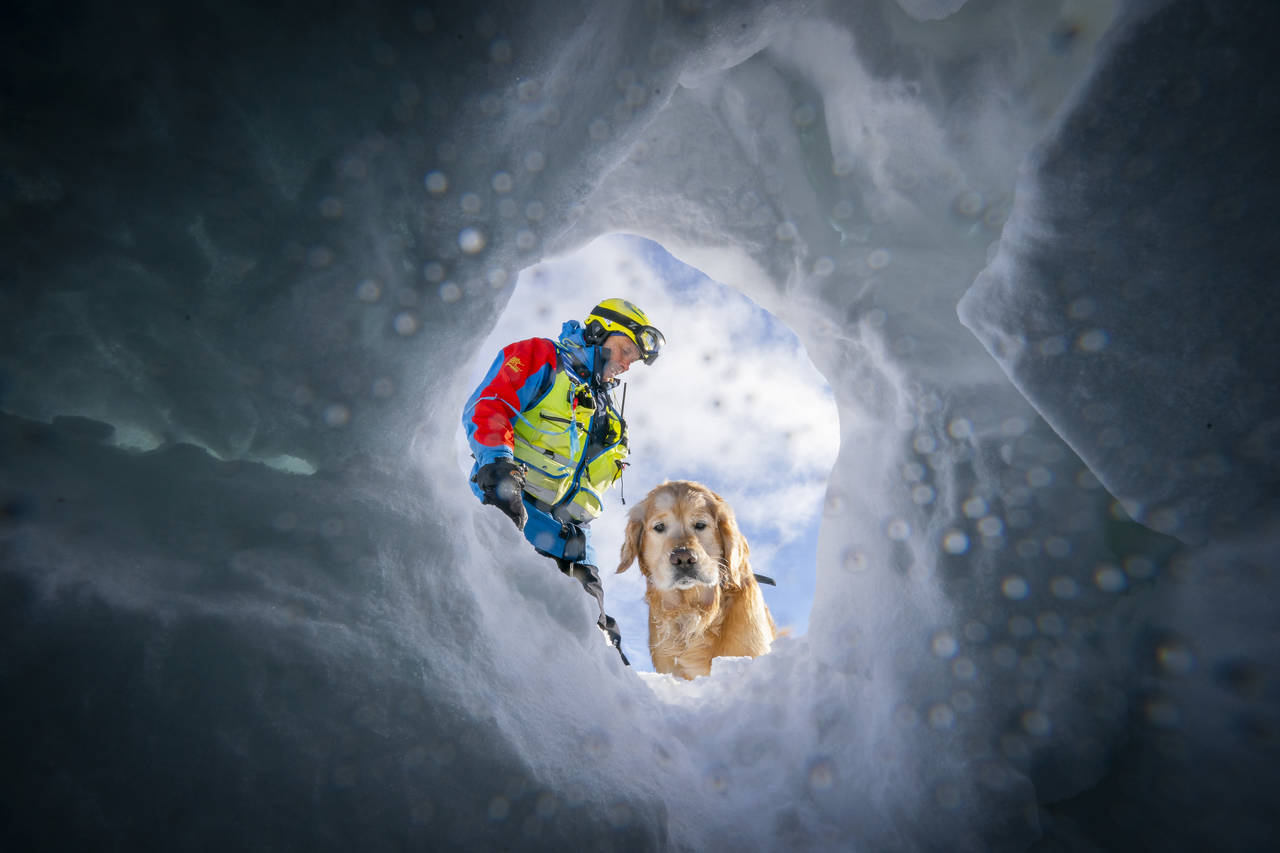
(622, 352)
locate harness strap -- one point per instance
(570, 429)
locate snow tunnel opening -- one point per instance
(733, 402)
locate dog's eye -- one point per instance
(659, 527)
(699, 525)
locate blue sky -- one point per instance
(732, 402)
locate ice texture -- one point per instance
(1134, 286)
(248, 601)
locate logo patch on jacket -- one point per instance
(514, 364)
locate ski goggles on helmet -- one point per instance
(647, 338)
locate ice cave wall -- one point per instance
(1138, 243)
(269, 232)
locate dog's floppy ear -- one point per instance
(631, 539)
(733, 544)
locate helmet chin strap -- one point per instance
(602, 363)
(594, 340)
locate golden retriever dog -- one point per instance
(704, 601)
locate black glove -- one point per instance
(502, 482)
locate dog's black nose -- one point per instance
(683, 558)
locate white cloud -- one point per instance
(785, 512)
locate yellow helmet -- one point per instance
(619, 315)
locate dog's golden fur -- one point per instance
(704, 601)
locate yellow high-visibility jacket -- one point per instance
(574, 443)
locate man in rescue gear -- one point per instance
(548, 440)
